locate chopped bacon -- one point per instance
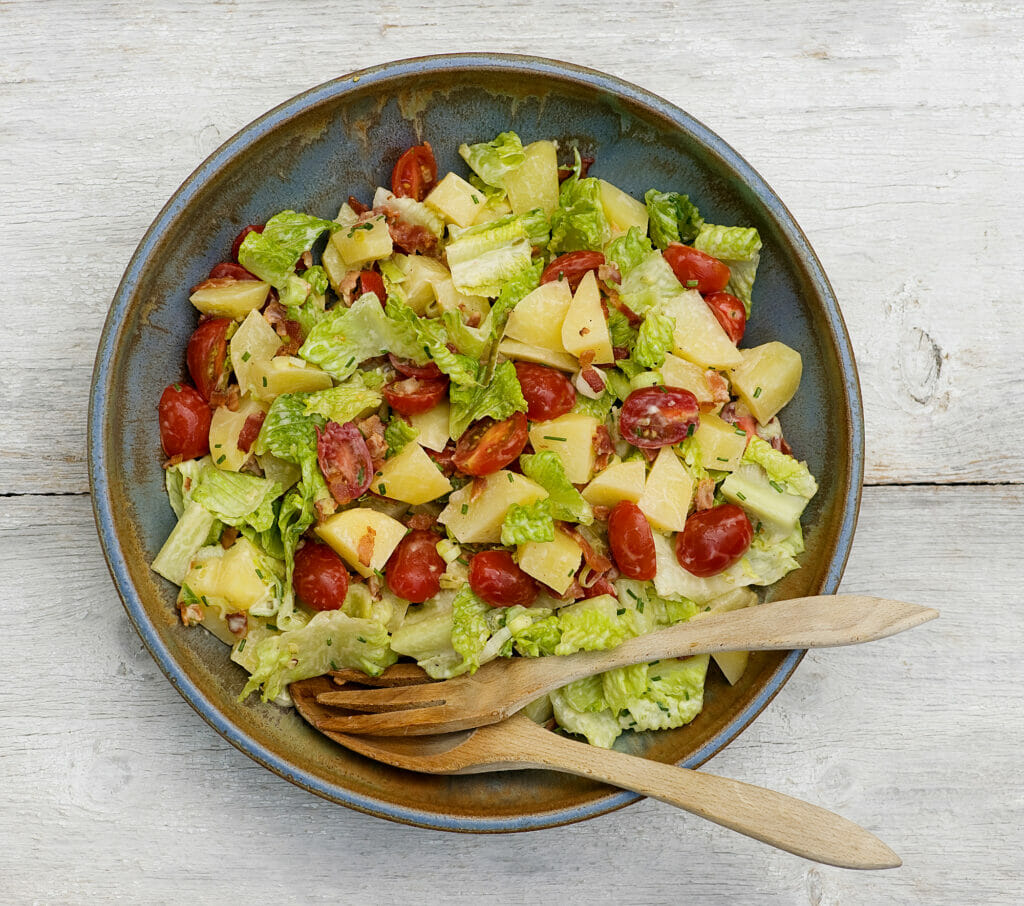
(372, 429)
(444, 459)
(238, 623)
(479, 485)
(364, 550)
(597, 562)
(228, 537)
(376, 587)
(325, 506)
(604, 449)
(718, 386)
(704, 499)
(305, 260)
(250, 431)
(620, 352)
(634, 319)
(409, 237)
(586, 357)
(601, 513)
(420, 521)
(229, 398)
(191, 614)
(609, 273)
(276, 316)
(779, 443)
(586, 162)
(470, 316)
(593, 378)
(347, 287)
(356, 205)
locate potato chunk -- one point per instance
(667, 494)
(362, 243)
(229, 298)
(362, 537)
(721, 444)
(622, 209)
(410, 476)
(767, 378)
(571, 437)
(537, 319)
(534, 184)
(698, 335)
(456, 200)
(225, 428)
(287, 374)
(679, 372)
(585, 329)
(254, 343)
(433, 426)
(552, 562)
(620, 481)
(525, 352)
(477, 519)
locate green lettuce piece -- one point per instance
(579, 221)
(740, 249)
(482, 258)
(627, 251)
(399, 434)
(654, 340)
(690, 453)
(617, 384)
(674, 695)
(297, 514)
(303, 298)
(532, 522)
(540, 637)
(767, 560)
(272, 254)
(290, 433)
(621, 331)
(766, 501)
(316, 277)
(496, 160)
(344, 402)
(191, 533)
(565, 501)
(601, 728)
(646, 610)
(619, 687)
(585, 694)
(629, 368)
(499, 400)
(786, 470)
(600, 408)
(514, 290)
(472, 342)
(490, 193)
(651, 284)
(672, 218)
(237, 497)
(470, 628)
(430, 337)
(331, 640)
(591, 625)
(181, 479)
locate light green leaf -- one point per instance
(344, 402)
(272, 254)
(627, 251)
(654, 339)
(579, 221)
(398, 434)
(237, 497)
(532, 522)
(496, 160)
(565, 501)
(499, 400)
(672, 218)
(792, 474)
(483, 258)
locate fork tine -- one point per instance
(396, 698)
(395, 675)
(392, 723)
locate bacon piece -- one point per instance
(604, 449)
(228, 537)
(409, 237)
(586, 162)
(704, 499)
(356, 205)
(620, 352)
(250, 431)
(479, 484)
(634, 319)
(372, 429)
(191, 614)
(593, 379)
(238, 623)
(276, 315)
(445, 459)
(347, 288)
(364, 550)
(609, 273)
(601, 513)
(376, 586)
(305, 260)
(325, 507)
(229, 398)
(779, 443)
(420, 521)
(597, 562)
(718, 386)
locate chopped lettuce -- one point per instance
(237, 497)
(674, 695)
(495, 160)
(539, 637)
(272, 254)
(429, 336)
(297, 514)
(600, 408)
(344, 402)
(650, 285)
(654, 339)
(399, 434)
(627, 251)
(515, 289)
(786, 470)
(601, 728)
(192, 531)
(289, 432)
(740, 249)
(303, 297)
(672, 217)
(619, 687)
(591, 625)
(622, 333)
(472, 342)
(499, 400)
(483, 257)
(579, 221)
(470, 627)
(565, 501)
(181, 479)
(531, 522)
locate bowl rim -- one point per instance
(327, 92)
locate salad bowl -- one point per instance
(340, 138)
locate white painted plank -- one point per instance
(893, 131)
(111, 788)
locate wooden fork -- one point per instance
(519, 744)
(506, 685)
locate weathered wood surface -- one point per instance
(895, 134)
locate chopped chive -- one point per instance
(348, 364)
(382, 489)
(463, 561)
(690, 430)
(687, 694)
(632, 594)
(776, 485)
(223, 456)
(639, 606)
(475, 199)
(655, 679)
(511, 480)
(217, 446)
(707, 609)
(620, 611)
(741, 495)
(177, 387)
(241, 645)
(722, 458)
(360, 475)
(361, 639)
(334, 666)
(692, 283)
(549, 437)
(740, 432)
(757, 393)
(264, 380)
(330, 642)
(272, 626)
(426, 349)
(663, 707)
(465, 508)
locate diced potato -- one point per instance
(287, 374)
(622, 209)
(585, 328)
(537, 319)
(362, 537)
(232, 577)
(667, 493)
(448, 298)
(732, 664)
(495, 208)
(365, 242)
(254, 343)
(421, 275)
(571, 436)
(225, 427)
(721, 444)
(411, 476)
(767, 378)
(479, 521)
(698, 336)
(525, 352)
(456, 200)
(433, 426)
(620, 481)
(229, 298)
(552, 562)
(678, 372)
(535, 183)
(334, 266)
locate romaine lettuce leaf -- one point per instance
(737, 247)
(600, 408)
(181, 480)
(344, 402)
(495, 160)
(793, 475)
(601, 728)
(672, 217)
(649, 285)
(482, 258)
(591, 625)
(470, 627)
(398, 434)
(565, 501)
(272, 254)
(627, 251)
(674, 695)
(532, 522)
(621, 686)
(586, 694)
(289, 433)
(579, 221)
(499, 399)
(237, 497)
(296, 515)
(192, 531)
(514, 290)
(655, 338)
(540, 637)
(429, 336)
(622, 333)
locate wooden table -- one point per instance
(894, 131)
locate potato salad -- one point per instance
(503, 413)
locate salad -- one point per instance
(499, 414)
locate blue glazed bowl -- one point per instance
(341, 138)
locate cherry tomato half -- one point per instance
(372, 282)
(658, 416)
(632, 541)
(237, 244)
(411, 369)
(184, 422)
(413, 395)
(572, 267)
(548, 393)
(207, 356)
(320, 578)
(489, 445)
(690, 265)
(497, 578)
(730, 314)
(415, 172)
(712, 540)
(228, 269)
(345, 461)
(414, 570)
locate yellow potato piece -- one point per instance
(287, 374)
(362, 537)
(410, 476)
(571, 437)
(433, 426)
(362, 243)
(524, 352)
(767, 378)
(721, 444)
(228, 298)
(534, 184)
(552, 562)
(225, 428)
(456, 200)
(478, 520)
(698, 335)
(620, 481)
(585, 328)
(667, 493)
(622, 209)
(537, 319)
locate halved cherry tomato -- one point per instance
(658, 416)
(414, 570)
(184, 418)
(632, 541)
(372, 282)
(413, 395)
(489, 445)
(228, 269)
(712, 540)
(695, 269)
(207, 356)
(548, 393)
(415, 172)
(237, 244)
(730, 314)
(320, 578)
(411, 369)
(250, 431)
(572, 267)
(345, 461)
(497, 578)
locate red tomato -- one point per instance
(489, 445)
(207, 356)
(411, 369)
(413, 395)
(237, 244)
(372, 282)
(548, 393)
(345, 461)
(631, 541)
(184, 422)
(658, 416)
(414, 570)
(712, 540)
(695, 269)
(497, 578)
(730, 314)
(320, 578)
(234, 271)
(415, 172)
(572, 267)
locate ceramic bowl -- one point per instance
(342, 138)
